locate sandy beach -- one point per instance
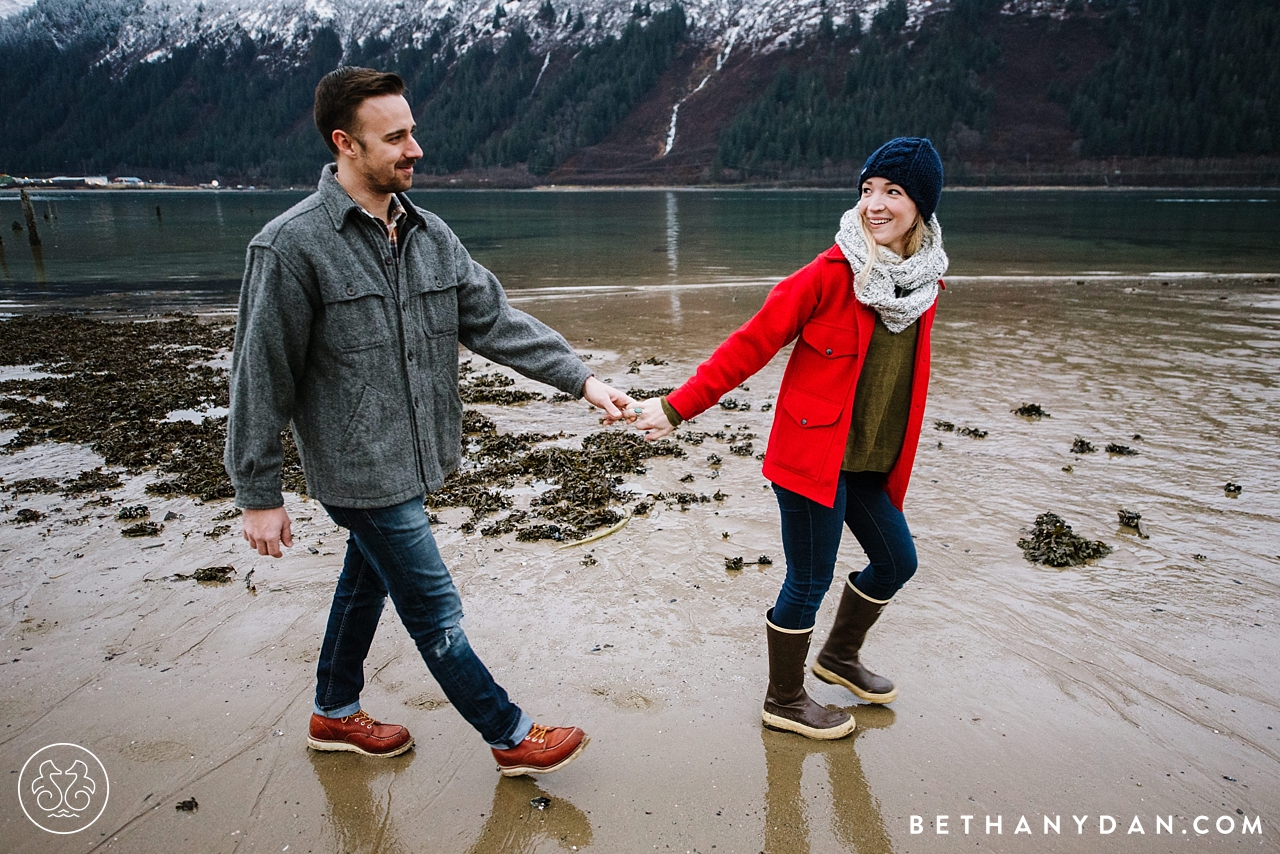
(1133, 699)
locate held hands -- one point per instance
(647, 416)
(651, 418)
(617, 406)
(267, 530)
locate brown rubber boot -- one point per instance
(838, 662)
(786, 705)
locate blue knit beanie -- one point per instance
(912, 163)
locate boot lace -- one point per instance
(361, 717)
(538, 733)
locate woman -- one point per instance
(848, 421)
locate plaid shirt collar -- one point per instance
(397, 214)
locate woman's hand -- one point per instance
(651, 418)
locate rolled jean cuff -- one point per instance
(517, 735)
(340, 712)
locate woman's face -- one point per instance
(888, 212)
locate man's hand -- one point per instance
(653, 420)
(614, 402)
(266, 530)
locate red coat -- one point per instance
(815, 402)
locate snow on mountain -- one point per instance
(151, 29)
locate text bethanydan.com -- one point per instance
(1081, 825)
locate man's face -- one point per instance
(383, 145)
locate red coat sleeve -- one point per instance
(789, 305)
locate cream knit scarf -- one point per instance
(899, 289)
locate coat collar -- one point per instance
(834, 254)
(340, 205)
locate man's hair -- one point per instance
(341, 92)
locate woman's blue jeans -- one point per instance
(391, 552)
(811, 536)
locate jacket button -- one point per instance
(804, 421)
(828, 351)
(351, 291)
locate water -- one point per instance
(104, 250)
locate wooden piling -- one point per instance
(33, 236)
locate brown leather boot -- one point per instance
(838, 662)
(786, 705)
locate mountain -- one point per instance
(601, 91)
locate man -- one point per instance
(351, 310)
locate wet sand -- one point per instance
(1140, 685)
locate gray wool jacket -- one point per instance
(358, 350)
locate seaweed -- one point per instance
(1082, 445)
(133, 511)
(31, 485)
(735, 564)
(1031, 410)
(646, 393)
(494, 388)
(210, 575)
(1120, 450)
(142, 529)
(93, 480)
(1053, 543)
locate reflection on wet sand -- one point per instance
(516, 825)
(855, 812)
(359, 792)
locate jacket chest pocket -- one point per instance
(355, 316)
(434, 302)
(823, 360)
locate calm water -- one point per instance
(111, 250)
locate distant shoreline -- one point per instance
(7, 192)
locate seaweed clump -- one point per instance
(1053, 543)
(1082, 446)
(1121, 450)
(494, 388)
(1031, 410)
(585, 481)
(112, 388)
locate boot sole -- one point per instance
(347, 747)
(778, 722)
(521, 770)
(832, 679)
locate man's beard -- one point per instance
(393, 184)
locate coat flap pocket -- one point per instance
(810, 411)
(829, 340)
(335, 290)
(424, 281)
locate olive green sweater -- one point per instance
(882, 400)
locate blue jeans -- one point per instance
(811, 536)
(391, 551)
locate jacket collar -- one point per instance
(340, 205)
(834, 254)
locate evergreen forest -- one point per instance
(1177, 79)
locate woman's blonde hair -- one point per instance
(915, 239)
